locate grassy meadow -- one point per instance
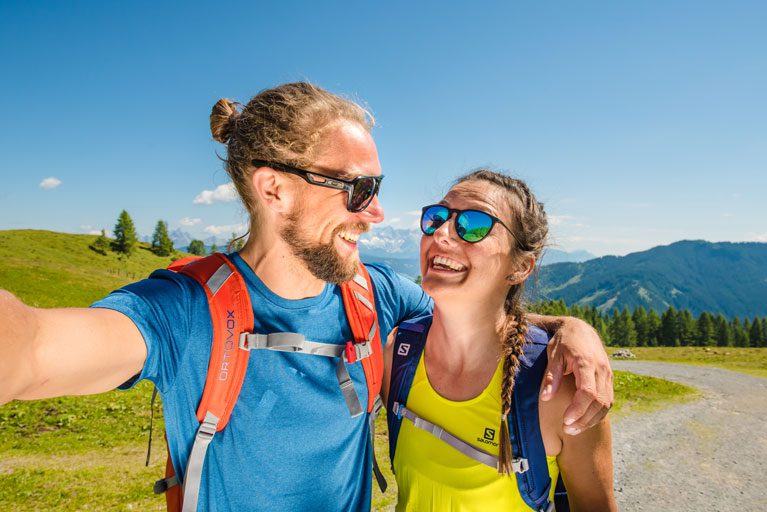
(88, 453)
(746, 360)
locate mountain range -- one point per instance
(724, 277)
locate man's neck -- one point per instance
(279, 269)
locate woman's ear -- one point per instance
(522, 274)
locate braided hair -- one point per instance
(530, 231)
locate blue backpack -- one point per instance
(529, 454)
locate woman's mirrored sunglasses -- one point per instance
(360, 191)
(471, 225)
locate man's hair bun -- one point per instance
(222, 120)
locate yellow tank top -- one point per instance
(433, 476)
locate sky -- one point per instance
(636, 123)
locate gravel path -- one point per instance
(706, 455)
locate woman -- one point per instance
(480, 244)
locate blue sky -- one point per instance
(636, 123)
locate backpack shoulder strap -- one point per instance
(524, 426)
(359, 303)
(231, 314)
(408, 346)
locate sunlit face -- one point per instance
(451, 267)
(320, 230)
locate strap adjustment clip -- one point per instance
(351, 353)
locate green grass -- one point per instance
(752, 361)
(47, 269)
(87, 453)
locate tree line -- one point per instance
(673, 328)
(126, 240)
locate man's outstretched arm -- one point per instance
(576, 348)
(54, 352)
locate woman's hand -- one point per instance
(575, 348)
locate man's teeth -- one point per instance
(350, 237)
(441, 261)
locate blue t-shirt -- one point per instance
(290, 444)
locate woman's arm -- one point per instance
(585, 460)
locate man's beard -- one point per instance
(322, 260)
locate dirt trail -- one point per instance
(706, 455)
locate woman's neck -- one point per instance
(464, 335)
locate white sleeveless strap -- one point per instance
(518, 464)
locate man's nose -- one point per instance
(374, 213)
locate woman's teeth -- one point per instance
(440, 262)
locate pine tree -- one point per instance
(755, 333)
(705, 330)
(162, 245)
(723, 332)
(669, 331)
(196, 247)
(101, 244)
(686, 326)
(763, 342)
(653, 327)
(740, 336)
(125, 235)
(642, 326)
(213, 248)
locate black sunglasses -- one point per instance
(360, 191)
(471, 225)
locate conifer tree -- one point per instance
(723, 332)
(213, 248)
(653, 327)
(686, 328)
(642, 326)
(162, 245)
(125, 235)
(763, 342)
(196, 247)
(668, 329)
(705, 330)
(101, 244)
(755, 333)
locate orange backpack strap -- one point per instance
(232, 314)
(359, 303)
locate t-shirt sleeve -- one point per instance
(397, 298)
(168, 309)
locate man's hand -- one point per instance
(575, 348)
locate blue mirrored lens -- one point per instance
(473, 226)
(432, 218)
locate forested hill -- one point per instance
(726, 278)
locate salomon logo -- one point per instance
(404, 349)
(488, 438)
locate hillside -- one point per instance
(727, 278)
(47, 269)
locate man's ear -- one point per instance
(273, 189)
(522, 274)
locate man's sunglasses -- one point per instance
(471, 225)
(360, 191)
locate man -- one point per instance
(307, 170)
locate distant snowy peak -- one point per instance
(389, 241)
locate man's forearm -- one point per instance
(548, 323)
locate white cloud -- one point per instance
(222, 194)
(558, 220)
(228, 229)
(758, 238)
(417, 213)
(189, 221)
(49, 183)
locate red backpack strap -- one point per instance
(359, 303)
(231, 313)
